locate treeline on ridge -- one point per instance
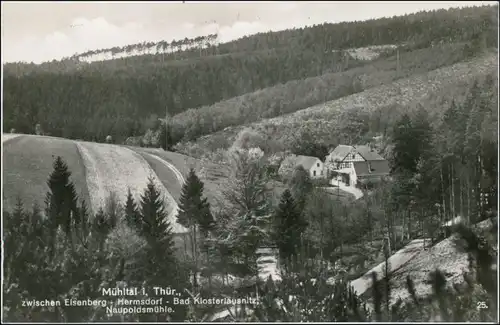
(422, 28)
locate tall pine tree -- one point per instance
(289, 227)
(160, 267)
(61, 200)
(300, 187)
(131, 211)
(194, 214)
(194, 209)
(405, 152)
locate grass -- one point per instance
(213, 175)
(27, 164)
(97, 169)
(115, 169)
(166, 175)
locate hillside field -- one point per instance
(97, 170)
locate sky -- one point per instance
(42, 31)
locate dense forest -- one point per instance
(124, 97)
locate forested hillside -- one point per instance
(352, 119)
(124, 97)
(296, 95)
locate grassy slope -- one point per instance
(445, 256)
(112, 168)
(27, 164)
(96, 168)
(396, 261)
(432, 88)
(213, 175)
(164, 174)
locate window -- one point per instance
(314, 173)
(317, 164)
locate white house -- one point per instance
(313, 165)
(353, 164)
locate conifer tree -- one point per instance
(131, 211)
(160, 266)
(405, 152)
(300, 187)
(289, 227)
(61, 200)
(194, 213)
(194, 209)
(53, 262)
(153, 219)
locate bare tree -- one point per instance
(246, 189)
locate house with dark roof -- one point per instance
(356, 164)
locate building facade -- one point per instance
(356, 164)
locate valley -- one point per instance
(286, 166)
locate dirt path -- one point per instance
(349, 189)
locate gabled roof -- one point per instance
(340, 152)
(306, 161)
(378, 168)
(367, 153)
